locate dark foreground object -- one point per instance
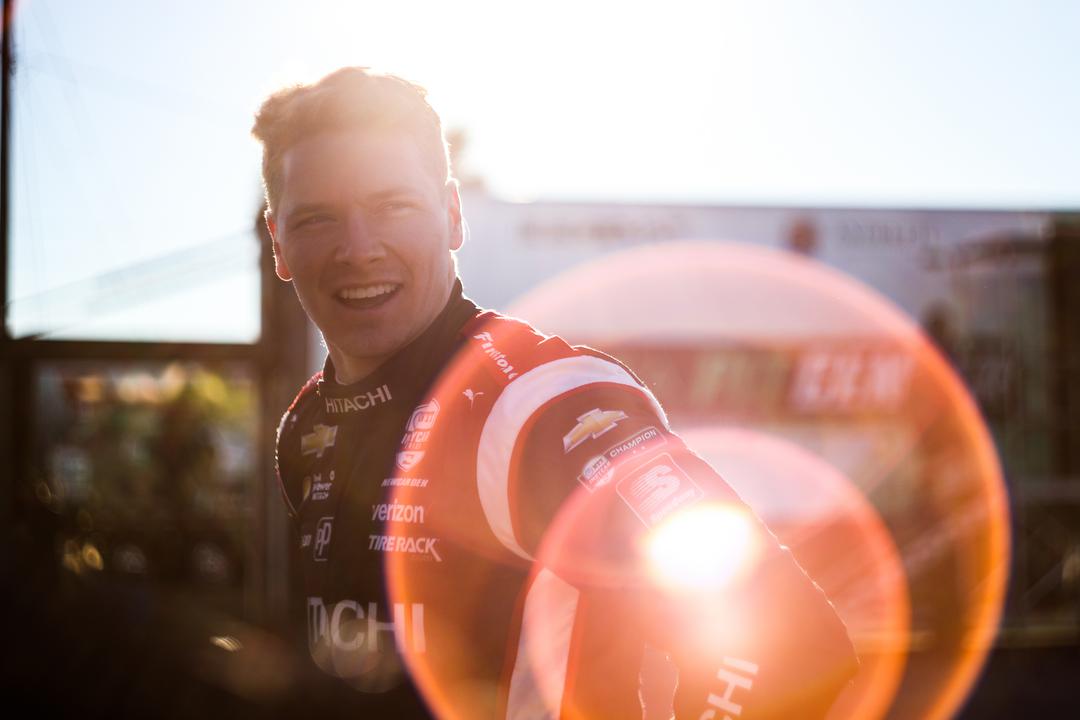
(99, 650)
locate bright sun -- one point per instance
(703, 547)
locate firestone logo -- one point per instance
(487, 344)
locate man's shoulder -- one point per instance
(518, 347)
(532, 368)
(303, 398)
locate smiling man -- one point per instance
(492, 523)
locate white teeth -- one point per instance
(362, 293)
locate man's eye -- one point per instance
(313, 220)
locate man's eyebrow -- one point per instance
(366, 199)
(388, 193)
(304, 208)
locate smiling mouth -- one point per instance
(366, 297)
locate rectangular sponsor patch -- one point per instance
(599, 470)
(658, 488)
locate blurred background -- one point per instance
(840, 240)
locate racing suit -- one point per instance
(474, 519)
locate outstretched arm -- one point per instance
(663, 551)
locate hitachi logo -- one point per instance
(732, 680)
(499, 357)
(351, 626)
(363, 401)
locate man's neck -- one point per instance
(348, 370)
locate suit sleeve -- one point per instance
(599, 484)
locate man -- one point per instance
(489, 518)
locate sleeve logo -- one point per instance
(592, 424)
(599, 471)
(657, 489)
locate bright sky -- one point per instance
(132, 119)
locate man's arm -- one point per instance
(612, 502)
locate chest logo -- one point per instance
(417, 431)
(362, 401)
(322, 537)
(320, 438)
(592, 424)
(423, 417)
(406, 459)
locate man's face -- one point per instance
(364, 230)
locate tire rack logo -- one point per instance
(352, 626)
(322, 538)
(599, 470)
(655, 490)
(487, 344)
(592, 424)
(417, 431)
(320, 438)
(407, 544)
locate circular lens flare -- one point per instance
(756, 338)
(847, 433)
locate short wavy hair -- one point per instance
(352, 98)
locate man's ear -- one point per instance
(280, 268)
(457, 222)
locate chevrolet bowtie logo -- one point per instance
(592, 424)
(318, 440)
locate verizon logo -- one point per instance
(397, 512)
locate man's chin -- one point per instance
(362, 353)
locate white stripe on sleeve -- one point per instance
(538, 681)
(521, 398)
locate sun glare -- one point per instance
(704, 547)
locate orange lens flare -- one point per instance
(832, 416)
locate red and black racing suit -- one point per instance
(480, 505)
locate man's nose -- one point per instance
(359, 243)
